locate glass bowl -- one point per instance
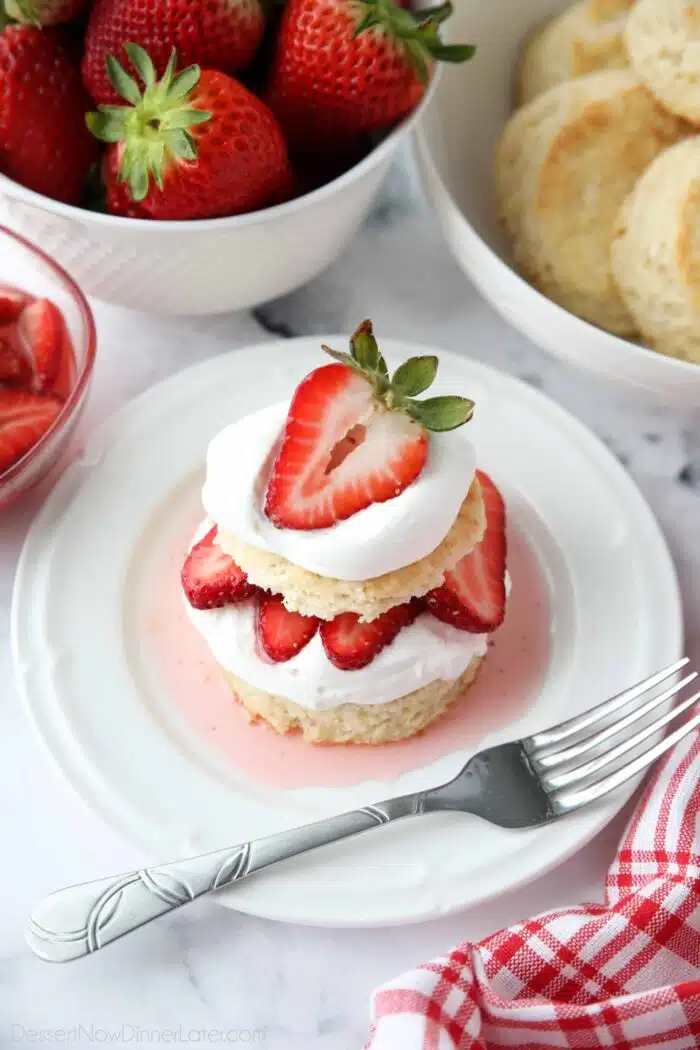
(26, 267)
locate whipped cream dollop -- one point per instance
(379, 539)
(423, 652)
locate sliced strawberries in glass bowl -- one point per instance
(47, 352)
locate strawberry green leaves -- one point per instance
(415, 376)
(411, 378)
(23, 11)
(417, 31)
(154, 125)
(441, 413)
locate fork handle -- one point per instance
(81, 919)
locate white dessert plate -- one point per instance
(87, 675)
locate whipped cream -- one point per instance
(379, 539)
(423, 652)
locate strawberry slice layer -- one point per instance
(281, 633)
(12, 302)
(211, 579)
(14, 367)
(40, 334)
(340, 452)
(24, 419)
(351, 644)
(473, 595)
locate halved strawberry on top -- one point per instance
(354, 436)
(351, 644)
(211, 578)
(473, 595)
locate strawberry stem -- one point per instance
(412, 377)
(416, 31)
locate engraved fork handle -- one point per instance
(81, 919)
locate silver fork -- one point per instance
(522, 784)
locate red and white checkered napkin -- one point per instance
(624, 975)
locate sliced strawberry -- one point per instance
(211, 579)
(473, 595)
(65, 379)
(351, 644)
(40, 331)
(341, 451)
(282, 634)
(24, 418)
(12, 303)
(14, 367)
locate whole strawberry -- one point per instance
(44, 144)
(220, 35)
(193, 145)
(44, 12)
(344, 69)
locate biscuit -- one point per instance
(663, 42)
(576, 42)
(565, 164)
(656, 252)
(356, 723)
(312, 595)
(603, 9)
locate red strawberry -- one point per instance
(44, 12)
(473, 595)
(281, 633)
(344, 69)
(24, 419)
(44, 144)
(65, 379)
(217, 34)
(217, 149)
(353, 437)
(351, 644)
(40, 333)
(14, 367)
(12, 302)
(211, 579)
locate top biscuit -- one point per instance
(583, 39)
(564, 166)
(663, 41)
(313, 595)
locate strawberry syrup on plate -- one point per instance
(507, 687)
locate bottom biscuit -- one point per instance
(356, 723)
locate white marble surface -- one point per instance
(209, 974)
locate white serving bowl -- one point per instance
(455, 141)
(209, 266)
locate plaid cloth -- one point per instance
(625, 974)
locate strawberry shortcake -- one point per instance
(352, 563)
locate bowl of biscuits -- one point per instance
(563, 165)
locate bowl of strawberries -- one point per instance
(200, 156)
(47, 352)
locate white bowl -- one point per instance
(455, 140)
(208, 266)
